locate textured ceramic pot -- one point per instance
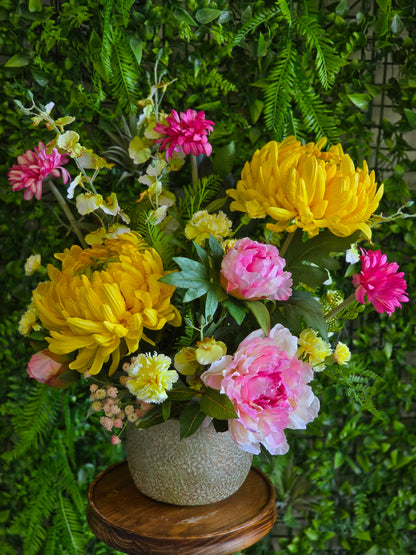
(203, 468)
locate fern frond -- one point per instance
(196, 196)
(156, 238)
(219, 81)
(34, 421)
(124, 76)
(327, 61)
(253, 23)
(278, 93)
(124, 7)
(284, 8)
(107, 42)
(316, 116)
(68, 522)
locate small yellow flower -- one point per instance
(185, 361)
(300, 186)
(32, 264)
(208, 350)
(139, 150)
(110, 205)
(313, 348)
(342, 354)
(204, 224)
(150, 377)
(88, 202)
(29, 321)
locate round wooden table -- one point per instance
(123, 518)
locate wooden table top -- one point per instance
(125, 519)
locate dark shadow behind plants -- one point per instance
(347, 485)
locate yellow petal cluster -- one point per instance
(204, 224)
(300, 186)
(150, 377)
(103, 299)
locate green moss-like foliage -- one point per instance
(262, 70)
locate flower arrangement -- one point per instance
(188, 299)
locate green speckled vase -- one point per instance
(204, 468)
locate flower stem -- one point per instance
(194, 170)
(286, 243)
(68, 214)
(349, 300)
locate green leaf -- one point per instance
(18, 60)
(411, 117)
(166, 406)
(136, 46)
(237, 311)
(217, 405)
(360, 100)
(181, 393)
(151, 418)
(211, 303)
(206, 15)
(224, 159)
(183, 16)
(35, 6)
(261, 314)
(190, 420)
(302, 307)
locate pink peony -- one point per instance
(46, 367)
(267, 385)
(252, 270)
(33, 167)
(187, 132)
(379, 280)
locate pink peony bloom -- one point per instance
(381, 282)
(267, 385)
(187, 132)
(252, 270)
(33, 167)
(46, 367)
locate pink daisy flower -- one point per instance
(33, 167)
(379, 280)
(187, 132)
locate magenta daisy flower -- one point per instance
(381, 282)
(187, 132)
(33, 167)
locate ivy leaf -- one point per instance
(217, 405)
(190, 420)
(261, 314)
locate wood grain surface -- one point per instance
(123, 518)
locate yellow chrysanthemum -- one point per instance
(300, 186)
(342, 354)
(313, 348)
(204, 224)
(150, 377)
(102, 300)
